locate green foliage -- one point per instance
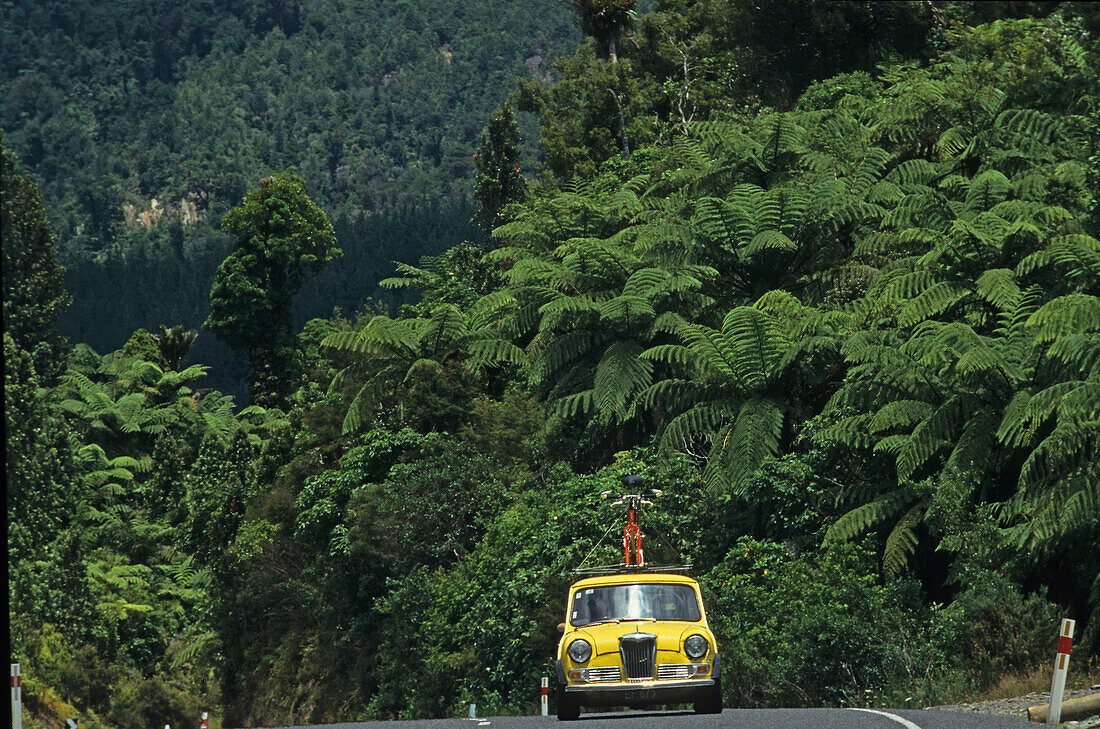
(139, 702)
(498, 181)
(143, 346)
(693, 61)
(597, 309)
(40, 460)
(377, 105)
(411, 363)
(219, 485)
(174, 343)
(597, 111)
(1003, 631)
(132, 119)
(802, 631)
(101, 556)
(283, 240)
(33, 296)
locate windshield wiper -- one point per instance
(619, 620)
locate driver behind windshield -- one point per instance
(598, 606)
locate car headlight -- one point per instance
(696, 646)
(580, 650)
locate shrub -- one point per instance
(817, 629)
(140, 703)
(992, 629)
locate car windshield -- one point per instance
(647, 601)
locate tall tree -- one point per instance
(34, 297)
(283, 240)
(39, 467)
(499, 181)
(604, 20)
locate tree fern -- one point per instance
(392, 352)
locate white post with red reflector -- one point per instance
(1061, 667)
(16, 697)
(542, 699)
(203, 725)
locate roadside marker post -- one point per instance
(1061, 667)
(542, 699)
(203, 725)
(16, 697)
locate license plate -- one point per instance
(639, 695)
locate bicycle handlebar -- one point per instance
(640, 498)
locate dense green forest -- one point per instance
(144, 123)
(828, 274)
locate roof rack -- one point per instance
(622, 569)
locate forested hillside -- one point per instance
(144, 122)
(846, 314)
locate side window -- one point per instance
(579, 614)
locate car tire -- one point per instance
(569, 707)
(711, 702)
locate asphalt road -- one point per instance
(728, 719)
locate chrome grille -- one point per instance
(673, 671)
(639, 653)
(602, 674)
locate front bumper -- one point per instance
(639, 685)
(641, 693)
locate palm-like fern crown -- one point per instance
(125, 402)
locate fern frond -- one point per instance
(986, 190)
(752, 437)
(902, 541)
(899, 414)
(704, 418)
(754, 344)
(495, 351)
(931, 302)
(928, 437)
(866, 516)
(1070, 314)
(620, 374)
(769, 240)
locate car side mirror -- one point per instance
(561, 627)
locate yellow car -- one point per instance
(637, 639)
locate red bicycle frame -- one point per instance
(632, 534)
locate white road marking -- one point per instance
(904, 722)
